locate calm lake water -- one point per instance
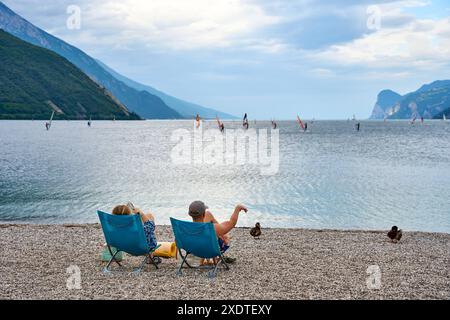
(332, 177)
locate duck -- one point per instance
(256, 231)
(395, 234)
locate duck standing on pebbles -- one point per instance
(395, 234)
(256, 231)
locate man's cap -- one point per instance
(197, 208)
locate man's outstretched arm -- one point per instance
(226, 226)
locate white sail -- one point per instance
(51, 118)
(49, 123)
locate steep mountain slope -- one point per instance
(145, 104)
(434, 85)
(429, 101)
(35, 81)
(385, 100)
(428, 104)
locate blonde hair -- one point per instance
(121, 210)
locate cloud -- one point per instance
(174, 24)
(177, 25)
(162, 24)
(269, 26)
(327, 35)
(422, 44)
(322, 73)
(403, 42)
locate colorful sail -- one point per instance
(197, 121)
(245, 122)
(220, 124)
(300, 123)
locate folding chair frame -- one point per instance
(148, 257)
(211, 274)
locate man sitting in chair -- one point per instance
(200, 213)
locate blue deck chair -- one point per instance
(199, 239)
(125, 233)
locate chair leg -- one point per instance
(143, 263)
(185, 259)
(135, 271)
(224, 263)
(113, 255)
(113, 258)
(213, 273)
(179, 273)
(153, 261)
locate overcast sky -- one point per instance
(270, 58)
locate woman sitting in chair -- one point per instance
(148, 220)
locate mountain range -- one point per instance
(35, 81)
(186, 109)
(431, 101)
(146, 101)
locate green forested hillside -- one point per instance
(35, 81)
(146, 105)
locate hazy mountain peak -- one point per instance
(386, 99)
(187, 109)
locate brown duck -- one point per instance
(256, 231)
(395, 234)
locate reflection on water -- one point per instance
(332, 177)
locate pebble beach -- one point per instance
(282, 264)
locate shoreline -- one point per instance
(5, 224)
(284, 264)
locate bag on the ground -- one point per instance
(106, 255)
